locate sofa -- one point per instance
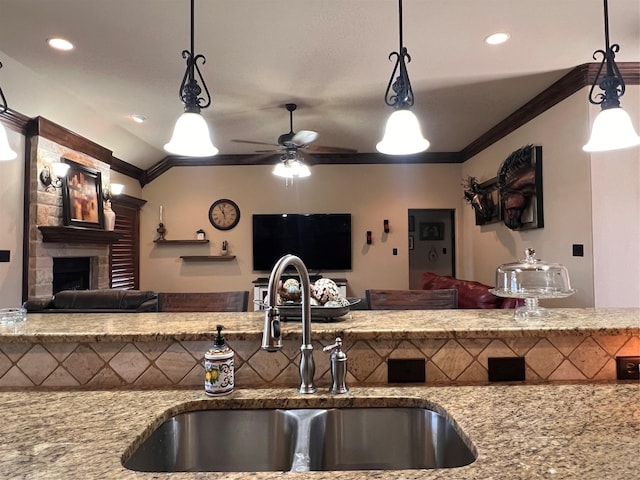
(471, 294)
(95, 301)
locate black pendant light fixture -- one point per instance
(402, 135)
(191, 133)
(612, 128)
(6, 153)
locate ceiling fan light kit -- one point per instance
(191, 134)
(402, 135)
(291, 168)
(612, 128)
(6, 152)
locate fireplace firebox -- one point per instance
(71, 273)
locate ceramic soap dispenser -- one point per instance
(218, 367)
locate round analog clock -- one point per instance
(224, 214)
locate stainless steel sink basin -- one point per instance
(302, 440)
(219, 441)
(385, 439)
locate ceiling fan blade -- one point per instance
(304, 137)
(255, 143)
(326, 149)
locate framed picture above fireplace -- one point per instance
(82, 196)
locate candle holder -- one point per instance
(161, 231)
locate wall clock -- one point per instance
(224, 214)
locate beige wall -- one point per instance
(131, 185)
(11, 213)
(371, 193)
(606, 225)
(561, 131)
(374, 192)
(615, 182)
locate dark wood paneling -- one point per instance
(127, 169)
(40, 126)
(14, 120)
(77, 235)
(54, 132)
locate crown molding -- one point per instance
(14, 121)
(40, 126)
(581, 76)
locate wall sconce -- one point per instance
(51, 182)
(369, 237)
(386, 226)
(112, 190)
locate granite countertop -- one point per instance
(366, 324)
(586, 432)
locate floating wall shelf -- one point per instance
(180, 242)
(207, 258)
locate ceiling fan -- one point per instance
(290, 143)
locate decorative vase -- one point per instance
(109, 216)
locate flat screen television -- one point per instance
(321, 240)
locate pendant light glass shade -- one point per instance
(191, 137)
(6, 153)
(612, 130)
(402, 135)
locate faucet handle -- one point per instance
(338, 367)
(337, 345)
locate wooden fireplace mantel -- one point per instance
(55, 234)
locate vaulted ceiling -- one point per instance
(328, 56)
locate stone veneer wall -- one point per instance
(45, 208)
(179, 364)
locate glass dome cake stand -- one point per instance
(532, 279)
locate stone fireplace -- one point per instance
(45, 209)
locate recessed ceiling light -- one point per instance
(137, 118)
(497, 38)
(60, 44)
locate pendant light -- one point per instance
(6, 153)
(612, 129)
(191, 133)
(402, 134)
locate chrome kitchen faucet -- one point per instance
(272, 334)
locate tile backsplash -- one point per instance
(87, 365)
